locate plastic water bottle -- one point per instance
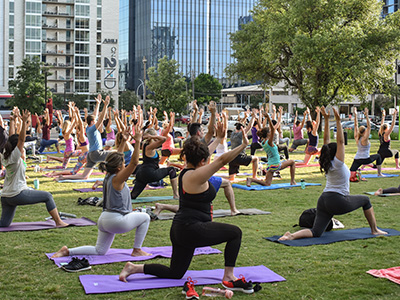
(303, 184)
(36, 169)
(215, 292)
(36, 184)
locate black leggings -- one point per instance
(254, 147)
(186, 238)
(285, 149)
(331, 203)
(388, 153)
(391, 190)
(146, 175)
(365, 161)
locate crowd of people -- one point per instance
(93, 140)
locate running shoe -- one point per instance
(188, 289)
(77, 265)
(240, 285)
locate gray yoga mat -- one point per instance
(219, 213)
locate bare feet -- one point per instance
(379, 192)
(62, 252)
(96, 184)
(286, 237)
(293, 182)
(47, 158)
(61, 224)
(378, 232)
(159, 208)
(176, 197)
(129, 269)
(248, 181)
(234, 212)
(139, 252)
(381, 175)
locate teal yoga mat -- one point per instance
(382, 195)
(258, 187)
(151, 199)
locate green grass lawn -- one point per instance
(334, 271)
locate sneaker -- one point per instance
(239, 285)
(188, 289)
(77, 265)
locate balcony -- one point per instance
(58, 53)
(60, 79)
(57, 14)
(67, 2)
(55, 40)
(59, 65)
(55, 27)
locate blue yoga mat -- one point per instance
(334, 236)
(376, 175)
(52, 152)
(151, 199)
(271, 187)
(383, 195)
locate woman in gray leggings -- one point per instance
(117, 215)
(335, 200)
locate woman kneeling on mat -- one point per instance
(335, 200)
(192, 226)
(15, 191)
(117, 215)
(361, 135)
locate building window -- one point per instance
(11, 33)
(11, 20)
(11, 46)
(98, 74)
(98, 62)
(68, 23)
(98, 24)
(82, 87)
(98, 50)
(98, 12)
(81, 48)
(82, 36)
(82, 10)
(99, 2)
(99, 37)
(31, 46)
(11, 59)
(82, 74)
(11, 73)
(82, 1)
(33, 7)
(81, 61)
(32, 20)
(82, 23)
(11, 6)
(33, 33)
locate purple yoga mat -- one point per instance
(102, 284)
(49, 224)
(100, 189)
(94, 173)
(120, 255)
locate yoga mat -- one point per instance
(152, 199)
(100, 189)
(81, 180)
(383, 169)
(102, 284)
(121, 255)
(393, 274)
(219, 213)
(271, 187)
(49, 175)
(49, 224)
(52, 152)
(376, 175)
(306, 166)
(383, 195)
(329, 237)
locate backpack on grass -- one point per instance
(307, 219)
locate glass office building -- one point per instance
(193, 32)
(389, 7)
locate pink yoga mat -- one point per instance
(121, 255)
(100, 189)
(393, 274)
(102, 284)
(49, 224)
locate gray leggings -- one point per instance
(391, 190)
(26, 197)
(111, 223)
(331, 203)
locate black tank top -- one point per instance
(194, 208)
(150, 162)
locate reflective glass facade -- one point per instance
(193, 32)
(389, 7)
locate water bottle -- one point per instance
(303, 184)
(215, 292)
(36, 184)
(36, 169)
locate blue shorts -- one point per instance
(216, 182)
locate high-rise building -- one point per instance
(389, 7)
(77, 39)
(194, 33)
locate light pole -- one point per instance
(144, 80)
(137, 90)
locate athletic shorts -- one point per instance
(166, 152)
(240, 160)
(274, 168)
(216, 182)
(95, 157)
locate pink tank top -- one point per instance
(69, 145)
(169, 143)
(110, 135)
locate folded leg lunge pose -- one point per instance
(361, 135)
(336, 198)
(384, 138)
(15, 191)
(117, 216)
(274, 162)
(192, 226)
(312, 132)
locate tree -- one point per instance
(28, 87)
(168, 86)
(127, 99)
(325, 51)
(207, 88)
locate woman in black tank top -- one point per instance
(384, 139)
(192, 226)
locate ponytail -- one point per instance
(10, 145)
(328, 153)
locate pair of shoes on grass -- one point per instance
(77, 265)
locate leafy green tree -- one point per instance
(127, 99)
(207, 88)
(326, 51)
(28, 87)
(168, 86)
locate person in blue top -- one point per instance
(336, 198)
(96, 153)
(274, 161)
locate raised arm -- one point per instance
(327, 132)
(389, 131)
(356, 137)
(195, 111)
(272, 129)
(248, 127)
(212, 107)
(100, 120)
(339, 137)
(317, 121)
(22, 134)
(368, 129)
(97, 106)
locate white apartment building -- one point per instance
(77, 39)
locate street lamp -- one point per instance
(137, 90)
(144, 80)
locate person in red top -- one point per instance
(46, 141)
